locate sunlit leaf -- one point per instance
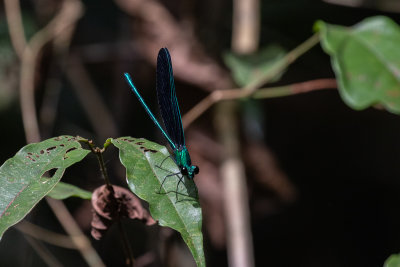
(366, 61)
(32, 173)
(154, 177)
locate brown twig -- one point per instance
(43, 252)
(249, 90)
(264, 93)
(112, 199)
(191, 63)
(245, 26)
(70, 12)
(236, 205)
(16, 29)
(48, 110)
(73, 230)
(129, 259)
(281, 65)
(84, 88)
(245, 36)
(46, 235)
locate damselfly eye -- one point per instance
(196, 170)
(184, 171)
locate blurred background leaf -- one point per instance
(247, 68)
(63, 191)
(393, 261)
(366, 61)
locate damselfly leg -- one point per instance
(181, 179)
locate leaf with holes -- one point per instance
(32, 173)
(366, 61)
(64, 190)
(173, 201)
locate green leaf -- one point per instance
(247, 68)
(366, 61)
(392, 261)
(32, 173)
(63, 191)
(147, 167)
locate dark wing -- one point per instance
(167, 98)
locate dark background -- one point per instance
(344, 164)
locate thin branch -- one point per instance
(236, 205)
(43, 252)
(245, 26)
(295, 89)
(15, 27)
(282, 64)
(203, 106)
(159, 29)
(45, 235)
(69, 14)
(264, 93)
(48, 110)
(239, 239)
(84, 88)
(99, 154)
(130, 261)
(72, 228)
(249, 90)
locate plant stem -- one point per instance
(251, 89)
(127, 247)
(294, 89)
(73, 230)
(43, 252)
(99, 154)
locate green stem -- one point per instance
(282, 64)
(100, 158)
(273, 92)
(99, 154)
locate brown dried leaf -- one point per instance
(112, 203)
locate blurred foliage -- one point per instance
(366, 61)
(9, 69)
(247, 68)
(64, 190)
(393, 261)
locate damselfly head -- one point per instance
(191, 171)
